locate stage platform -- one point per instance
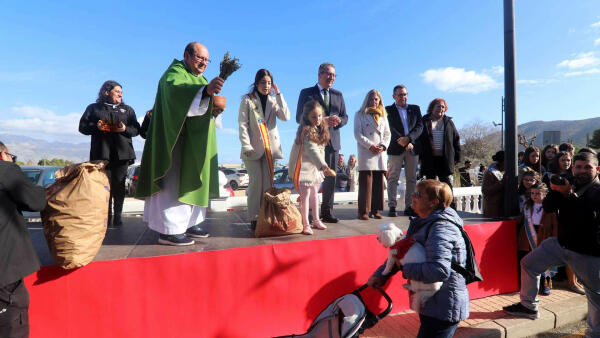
(227, 230)
(232, 284)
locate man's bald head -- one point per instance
(196, 57)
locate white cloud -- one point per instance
(41, 123)
(452, 79)
(585, 72)
(597, 42)
(581, 60)
(536, 82)
(595, 25)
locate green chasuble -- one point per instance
(198, 178)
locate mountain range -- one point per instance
(31, 149)
(570, 131)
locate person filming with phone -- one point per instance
(577, 244)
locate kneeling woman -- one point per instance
(437, 229)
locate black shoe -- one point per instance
(328, 218)
(392, 212)
(409, 212)
(117, 221)
(519, 310)
(196, 232)
(177, 240)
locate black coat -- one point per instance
(578, 219)
(450, 153)
(17, 254)
(108, 145)
(415, 128)
(336, 107)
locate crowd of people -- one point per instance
(559, 192)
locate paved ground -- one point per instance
(561, 309)
(231, 230)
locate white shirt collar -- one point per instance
(401, 108)
(321, 88)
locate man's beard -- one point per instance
(581, 180)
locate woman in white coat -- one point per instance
(372, 133)
(259, 136)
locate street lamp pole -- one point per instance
(511, 206)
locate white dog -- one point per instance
(390, 236)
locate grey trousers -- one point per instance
(550, 254)
(410, 172)
(260, 181)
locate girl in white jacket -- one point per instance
(307, 165)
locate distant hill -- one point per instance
(569, 130)
(27, 148)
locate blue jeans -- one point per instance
(550, 254)
(435, 328)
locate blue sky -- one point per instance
(55, 56)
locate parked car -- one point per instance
(133, 173)
(224, 188)
(236, 178)
(41, 175)
(281, 179)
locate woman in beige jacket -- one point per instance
(372, 133)
(259, 136)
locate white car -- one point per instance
(236, 178)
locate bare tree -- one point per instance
(479, 141)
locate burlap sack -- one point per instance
(278, 216)
(76, 215)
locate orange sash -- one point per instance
(264, 133)
(296, 178)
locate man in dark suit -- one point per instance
(335, 114)
(406, 127)
(17, 253)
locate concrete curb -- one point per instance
(487, 319)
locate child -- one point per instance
(526, 180)
(536, 226)
(307, 162)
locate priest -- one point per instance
(179, 170)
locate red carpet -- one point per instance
(256, 291)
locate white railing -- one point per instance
(466, 199)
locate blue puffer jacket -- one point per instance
(443, 246)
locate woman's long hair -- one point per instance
(554, 165)
(543, 158)
(381, 106)
(318, 134)
(107, 87)
(259, 75)
(535, 166)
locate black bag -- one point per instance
(471, 270)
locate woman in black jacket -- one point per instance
(112, 124)
(440, 142)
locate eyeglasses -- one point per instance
(201, 58)
(328, 74)
(13, 157)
